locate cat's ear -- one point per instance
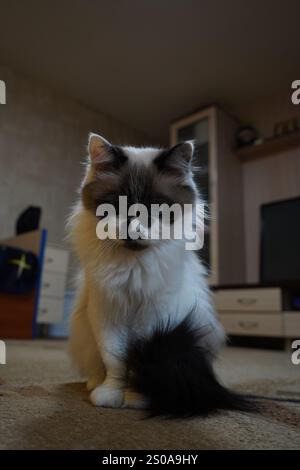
(103, 155)
(182, 153)
(98, 148)
(176, 160)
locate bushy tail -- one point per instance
(176, 375)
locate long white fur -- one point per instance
(123, 292)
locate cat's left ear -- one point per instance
(177, 159)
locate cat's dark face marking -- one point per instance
(157, 182)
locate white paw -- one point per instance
(105, 395)
(134, 400)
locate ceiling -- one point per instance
(146, 62)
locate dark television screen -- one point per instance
(280, 241)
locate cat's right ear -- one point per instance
(99, 148)
(103, 155)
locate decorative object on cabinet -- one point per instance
(269, 147)
(246, 135)
(286, 127)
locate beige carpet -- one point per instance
(44, 406)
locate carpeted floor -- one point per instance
(43, 405)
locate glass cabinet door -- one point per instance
(199, 131)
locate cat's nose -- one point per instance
(133, 226)
(129, 220)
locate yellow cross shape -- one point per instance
(21, 263)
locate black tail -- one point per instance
(176, 375)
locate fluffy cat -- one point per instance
(143, 331)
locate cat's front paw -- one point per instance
(106, 396)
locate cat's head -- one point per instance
(146, 176)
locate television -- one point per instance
(280, 242)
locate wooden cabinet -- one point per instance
(253, 324)
(219, 180)
(257, 311)
(52, 289)
(245, 300)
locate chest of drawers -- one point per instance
(53, 281)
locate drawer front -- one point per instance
(56, 260)
(265, 299)
(50, 310)
(253, 324)
(53, 284)
(291, 323)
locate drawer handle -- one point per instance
(248, 325)
(49, 260)
(246, 301)
(46, 284)
(44, 310)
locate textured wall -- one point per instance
(43, 137)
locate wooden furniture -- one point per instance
(258, 311)
(269, 147)
(21, 315)
(51, 302)
(220, 183)
(18, 312)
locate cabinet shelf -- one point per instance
(269, 147)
